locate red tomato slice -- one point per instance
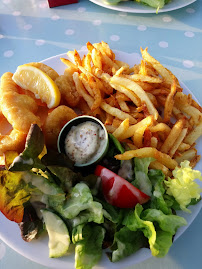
(118, 191)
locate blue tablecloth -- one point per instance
(31, 31)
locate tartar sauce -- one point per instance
(84, 142)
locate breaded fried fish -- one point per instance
(18, 109)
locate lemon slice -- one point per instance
(35, 80)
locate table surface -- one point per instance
(31, 31)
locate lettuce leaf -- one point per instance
(158, 193)
(183, 187)
(142, 180)
(13, 194)
(127, 242)
(81, 199)
(33, 147)
(88, 240)
(156, 226)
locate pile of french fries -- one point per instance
(143, 106)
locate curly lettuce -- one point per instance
(183, 186)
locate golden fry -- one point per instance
(163, 158)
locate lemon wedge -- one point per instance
(35, 80)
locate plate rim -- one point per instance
(142, 9)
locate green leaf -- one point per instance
(142, 180)
(167, 223)
(33, 147)
(127, 242)
(81, 199)
(88, 250)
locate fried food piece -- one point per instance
(68, 92)
(46, 69)
(15, 141)
(54, 123)
(18, 109)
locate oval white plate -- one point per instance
(37, 250)
(135, 7)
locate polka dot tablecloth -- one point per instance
(31, 31)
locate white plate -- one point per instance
(135, 7)
(37, 250)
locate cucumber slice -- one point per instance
(59, 239)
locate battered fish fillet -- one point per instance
(68, 90)
(17, 108)
(46, 69)
(54, 123)
(14, 141)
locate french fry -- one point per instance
(109, 119)
(159, 166)
(124, 107)
(138, 91)
(154, 142)
(181, 102)
(187, 155)
(173, 135)
(138, 136)
(84, 80)
(170, 102)
(97, 93)
(167, 75)
(144, 78)
(116, 122)
(133, 128)
(69, 64)
(183, 147)
(107, 50)
(82, 91)
(97, 59)
(160, 127)
(121, 129)
(117, 112)
(178, 142)
(134, 98)
(194, 135)
(163, 158)
(86, 62)
(110, 128)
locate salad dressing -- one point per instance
(84, 142)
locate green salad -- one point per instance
(152, 3)
(88, 208)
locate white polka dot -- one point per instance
(27, 26)
(188, 63)
(190, 10)
(114, 37)
(40, 42)
(43, 5)
(1, 36)
(163, 44)
(123, 14)
(167, 19)
(142, 27)
(8, 53)
(16, 13)
(55, 17)
(189, 34)
(97, 22)
(69, 32)
(6, 1)
(81, 9)
(2, 250)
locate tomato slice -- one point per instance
(118, 191)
